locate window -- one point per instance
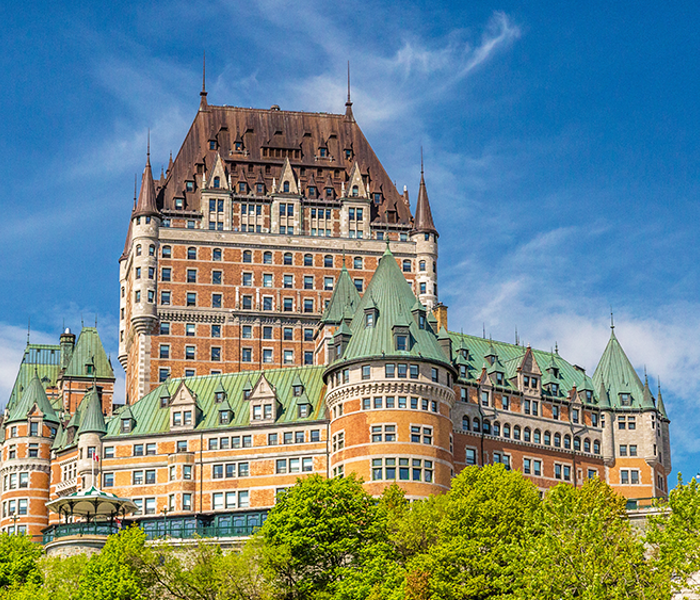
(191, 299)
(406, 266)
(166, 252)
(247, 354)
(308, 305)
(557, 440)
(267, 355)
(555, 411)
(267, 303)
(505, 402)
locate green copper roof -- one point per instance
(344, 296)
(393, 298)
(92, 421)
(34, 394)
(150, 418)
(510, 357)
(89, 350)
(617, 374)
(60, 439)
(45, 360)
(660, 405)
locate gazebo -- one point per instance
(101, 514)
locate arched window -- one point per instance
(547, 438)
(506, 430)
(357, 262)
(526, 434)
(247, 256)
(166, 252)
(191, 253)
(577, 444)
(465, 423)
(587, 445)
(557, 440)
(138, 249)
(516, 432)
(596, 446)
(406, 265)
(421, 265)
(567, 441)
(477, 425)
(216, 254)
(267, 258)
(287, 258)
(496, 428)
(537, 437)
(151, 250)
(285, 187)
(308, 260)
(487, 427)
(355, 191)
(328, 260)
(217, 183)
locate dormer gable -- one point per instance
(356, 187)
(529, 372)
(218, 179)
(288, 183)
(263, 402)
(184, 409)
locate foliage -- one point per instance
(19, 561)
(585, 548)
(316, 533)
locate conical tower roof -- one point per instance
(344, 295)
(146, 205)
(615, 369)
(660, 405)
(89, 350)
(647, 399)
(393, 298)
(423, 219)
(34, 394)
(92, 421)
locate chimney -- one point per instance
(67, 342)
(440, 313)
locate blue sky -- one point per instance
(561, 144)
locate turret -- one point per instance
(67, 342)
(425, 237)
(91, 428)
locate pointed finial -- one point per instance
(148, 148)
(343, 254)
(612, 322)
(95, 323)
(517, 341)
(204, 73)
(29, 328)
(82, 322)
(136, 178)
(349, 83)
(483, 330)
(421, 162)
(348, 103)
(556, 347)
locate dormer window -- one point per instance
(348, 154)
(89, 369)
(217, 183)
(355, 191)
(189, 186)
(238, 146)
(323, 152)
(219, 397)
(126, 425)
(224, 417)
(329, 192)
(297, 390)
(242, 187)
(212, 144)
(246, 394)
(554, 388)
(285, 187)
(625, 400)
(401, 342)
(421, 321)
(311, 192)
(369, 319)
(303, 411)
(499, 378)
(589, 395)
(465, 354)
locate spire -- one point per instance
(93, 420)
(618, 373)
(647, 400)
(423, 220)
(146, 204)
(660, 403)
(170, 164)
(348, 104)
(203, 94)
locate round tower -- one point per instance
(29, 431)
(91, 428)
(390, 392)
(425, 237)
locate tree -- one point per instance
(488, 515)
(585, 548)
(19, 558)
(117, 573)
(315, 534)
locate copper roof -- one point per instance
(254, 143)
(424, 217)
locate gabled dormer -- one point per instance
(127, 422)
(263, 403)
(301, 400)
(219, 393)
(371, 313)
(288, 183)
(529, 373)
(218, 179)
(497, 372)
(445, 342)
(356, 187)
(164, 395)
(184, 409)
(341, 339)
(247, 388)
(551, 378)
(402, 335)
(419, 315)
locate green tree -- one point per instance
(586, 548)
(489, 514)
(19, 561)
(117, 572)
(315, 534)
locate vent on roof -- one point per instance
(275, 107)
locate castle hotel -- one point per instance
(280, 316)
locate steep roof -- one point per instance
(423, 220)
(92, 420)
(267, 137)
(150, 418)
(146, 204)
(43, 359)
(33, 395)
(616, 373)
(89, 349)
(344, 295)
(392, 296)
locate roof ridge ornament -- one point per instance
(203, 105)
(348, 103)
